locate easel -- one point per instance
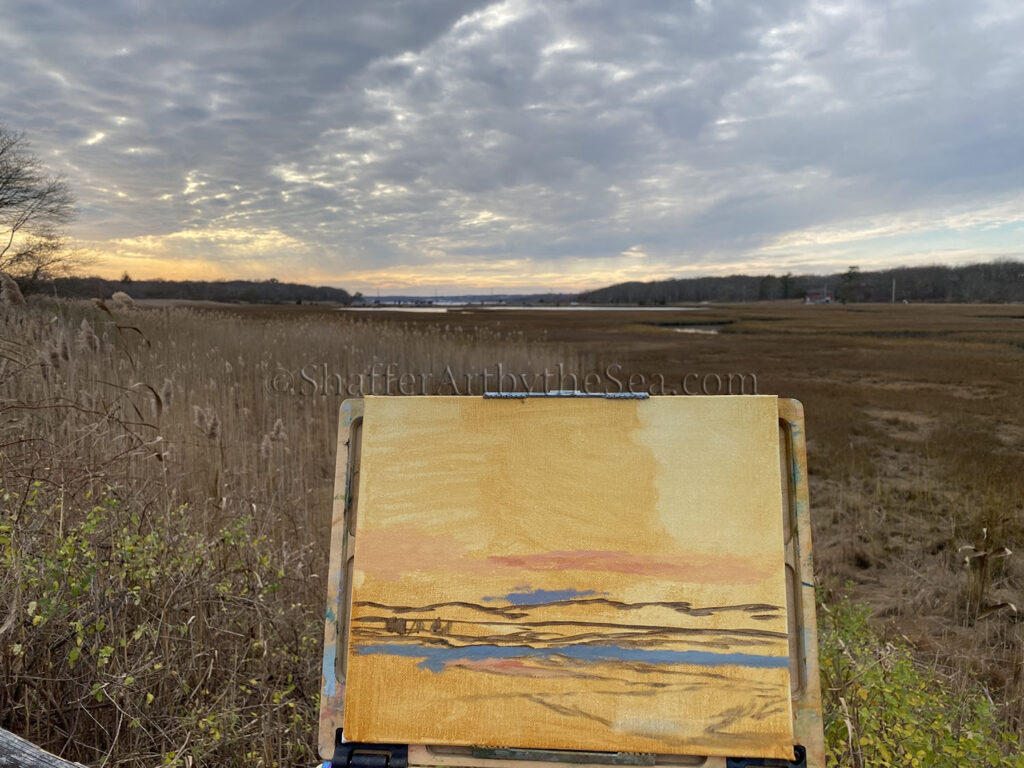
(803, 651)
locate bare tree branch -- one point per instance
(34, 206)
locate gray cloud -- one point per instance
(444, 136)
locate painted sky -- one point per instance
(636, 500)
(457, 146)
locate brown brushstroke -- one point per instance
(611, 625)
(506, 611)
(568, 711)
(748, 711)
(678, 606)
(532, 640)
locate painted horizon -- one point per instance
(571, 575)
(514, 632)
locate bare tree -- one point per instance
(34, 206)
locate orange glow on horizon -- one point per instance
(261, 254)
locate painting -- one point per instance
(586, 574)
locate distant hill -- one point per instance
(999, 281)
(259, 292)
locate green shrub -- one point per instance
(139, 638)
(883, 708)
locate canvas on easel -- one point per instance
(582, 574)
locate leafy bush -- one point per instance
(883, 708)
(137, 636)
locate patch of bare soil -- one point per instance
(902, 425)
(1011, 436)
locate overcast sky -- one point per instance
(452, 146)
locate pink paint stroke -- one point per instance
(688, 567)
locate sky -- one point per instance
(454, 146)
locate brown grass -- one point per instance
(916, 425)
(165, 521)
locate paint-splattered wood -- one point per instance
(346, 485)
(808, 728)
(571, 574)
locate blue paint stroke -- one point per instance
(434, 658)
(328, 671)
(526, 596)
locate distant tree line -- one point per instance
(997, 281)
(259, 292)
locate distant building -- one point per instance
(819, 296)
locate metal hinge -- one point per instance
(566, 393)
(354, 754)
(564, 756)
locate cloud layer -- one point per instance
(461, 145)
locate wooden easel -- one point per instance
(802, 630)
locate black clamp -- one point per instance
(353, 754)
(799, 760)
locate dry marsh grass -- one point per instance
(209, 542)
(165, 516)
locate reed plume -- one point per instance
(121, 300)
(87, 338)
(10, 293)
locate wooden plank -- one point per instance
(571, 575)
(16, 752)
(346, 476)
(808, 727)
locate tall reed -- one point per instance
(166, 484)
